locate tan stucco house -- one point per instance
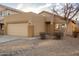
(32, 24)
(24, 24)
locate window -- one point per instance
(4, 13)
(0, 13)
(56, 26)
(60, 26)
(63, 25)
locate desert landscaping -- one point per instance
(22, 46)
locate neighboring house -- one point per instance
(53, 22)
(6, 11)
(72, 27)
(24, 24)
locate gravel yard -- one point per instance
(22, 46)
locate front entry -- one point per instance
(48, 26)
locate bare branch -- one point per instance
(74, 14)
(68, 10)
(55, 12)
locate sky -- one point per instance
(30, 7)
(34, 5)
(38, 1)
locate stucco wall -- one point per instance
(48, 17)
(70, 28)
(34, 19)
(51, 17)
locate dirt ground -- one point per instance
(68, 46)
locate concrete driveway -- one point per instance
(5, 38)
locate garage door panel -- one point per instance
(20, 29)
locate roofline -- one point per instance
(12, 9)
(73, 21)
(45, 12)
(51, 14)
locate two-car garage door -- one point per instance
(18, 29)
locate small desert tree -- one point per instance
(67, 10)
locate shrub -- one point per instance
(43, 35)
(58, 35)
(75, 34)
